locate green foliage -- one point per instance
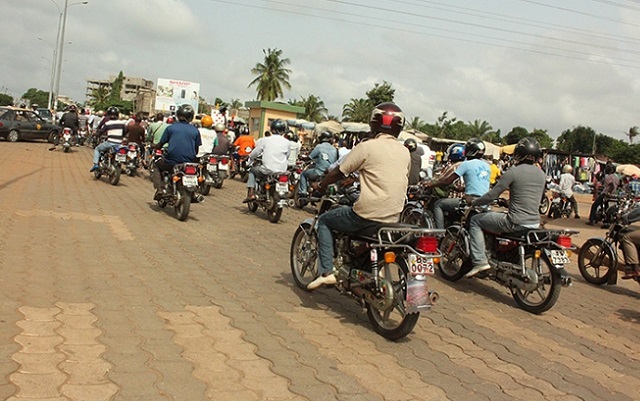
(314, 109)
(35, 96)
(632, 133)
(271, 75)
(579, 139)
(542, 137)
(515, 135)
(380, 93)
(357, 111)
(624, 154)
(235, 104)
(116, 88)
(6, 100)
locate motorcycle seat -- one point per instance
(520, 235)
(371, 234)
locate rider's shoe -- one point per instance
(328, 279)
(94, 168)
(477, 269)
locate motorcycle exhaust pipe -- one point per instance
(434, 297)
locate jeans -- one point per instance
(341, 219)
(494, 222)
(594, 207)
(307, 175)
(103, 147)
(441, 206)
(257, 173)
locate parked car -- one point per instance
(17, 124)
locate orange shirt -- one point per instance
(245, 144)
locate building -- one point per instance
(140, 91)
(262, 114)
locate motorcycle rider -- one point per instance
(70, 120)
(221, 143)
(244, 144)
(135, 132)
(274, 150)
(113, 129)
(453, 156)
(474, 171)
(629, 241)
(156, 129)
(416, 160)
(525, 183)
(295, 146)
(565, 186)
(383, 164)
(323, 155)
(183, 141)
(611, 182)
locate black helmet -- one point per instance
(474, 149)
(278, 127)
(185, 112)
(113, 111)
(292, 136)
(411, 144)
(527, 150)
(325, 136)
(388, 118)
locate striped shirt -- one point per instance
(114, 129)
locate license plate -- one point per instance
(189, 180)
(282, 187)
(223, 167)
(559, 257)
(420, 265)
(66, 137)
(133, 154)
(121, 158)
(212, 168)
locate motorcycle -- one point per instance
(214, 170)
(385, 269)
(302, 164)
(110, 164)
(66, 139)
(545, 201)
(132, 163)
(272, 195)
(180, 187)
(241, 165)
(82, 136)
(418, 206)
(530, 263)
(598, 259)
(560, 205)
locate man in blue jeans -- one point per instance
(383, 165)
(113, 128)
(323, 156)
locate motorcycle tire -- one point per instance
(596, 261)
(97, 174)
(162, 203)
(205, 189)
(417, 217)
(393, 323)
(303, 256)
(183, 206)
(548, 291)
(298, 201)
(114, 176)
(218, 184)
(544, 206)
(453, 264)
(66, 149)
(275, 211)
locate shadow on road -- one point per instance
(629, 315)
(16, 179)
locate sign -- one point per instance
(172, 93)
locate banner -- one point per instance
(172, 93)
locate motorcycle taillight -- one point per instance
(564, 241)
(132, 147)
(283, 178)
(191, 170)
(158, 152)
(213, 160)
(224, 161)
(427, 244)
(122, 151)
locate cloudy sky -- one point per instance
(537, 64)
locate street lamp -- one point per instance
(62, 22)
(53, 72)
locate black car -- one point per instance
(17, 124)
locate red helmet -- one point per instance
(388, 118)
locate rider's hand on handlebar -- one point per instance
(468, 199)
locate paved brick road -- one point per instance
(105, 297)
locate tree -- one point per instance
(357, 111)
(516, 134)
(542, 137)
(578, 139)
(632, 133)
(116, 88)
(36, 96)
(479, 129)
(271, 75)
(235, 104)
(6, 100)
(443, 126)
(99, 97)
(380, 94)
(314, 109)
(416, 123)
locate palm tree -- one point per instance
(99, 96)
(633, 132)
(479, 128)
(416, 123)
(271, 75)
(314, 109)
(357, 111)
(235, 104)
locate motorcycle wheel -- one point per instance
(453, 265)
(97, 174)
(162, 203)
(417, 217)
(596, 261)
(303, 256)
(66, 149)
(544, 205)
(205, 189)
(114, 176)
(546, 295)
(183, 206)
(298, 201)
(217, 184)
(393, 323)
(51, 138)
(275, 212)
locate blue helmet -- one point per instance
(455, 152)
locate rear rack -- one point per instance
(544, 236)
(397, 237)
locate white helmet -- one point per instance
(567, 169)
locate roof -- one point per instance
(274, 106)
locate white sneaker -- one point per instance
(322, 280)
(478, 269)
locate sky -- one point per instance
(537, 64)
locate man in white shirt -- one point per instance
(565, 186)
(274, 151)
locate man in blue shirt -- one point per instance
(183, 140)
(323, 155)
(474, 171)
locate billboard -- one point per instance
(172, 93)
